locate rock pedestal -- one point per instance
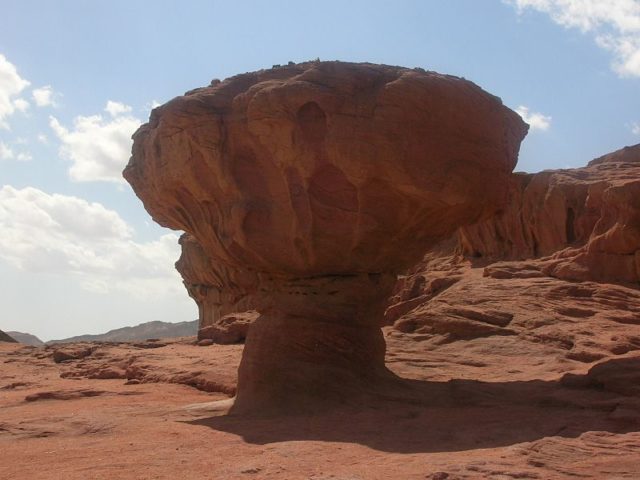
(306, 189)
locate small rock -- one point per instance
(440, 476)
(150, 344)
(205, 342)
(251, 470)
(71, 353)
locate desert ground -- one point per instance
(530, 404)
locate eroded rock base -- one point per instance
(295, 365)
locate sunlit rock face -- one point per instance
(560, 264)
(304, 190)
(583, 222)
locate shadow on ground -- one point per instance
(457, 415)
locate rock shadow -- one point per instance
(458, 415)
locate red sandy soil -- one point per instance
(556, 396)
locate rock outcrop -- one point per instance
(231, 328)
(550, 259)
(215, 298)
(585, 222)
(305, 190)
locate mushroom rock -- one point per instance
(305, 190)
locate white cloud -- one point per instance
(5, 152)
(153, 104)
(99, 148)
(21, 104)
(66, 235)
(615, 25)
(11, 84)
(24, 157)
(43, 96)
(116, 108)
(42, 138)
(635, 128)
(537, 121)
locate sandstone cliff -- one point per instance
(585, 221)
(558, 266)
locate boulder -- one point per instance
(75, 351)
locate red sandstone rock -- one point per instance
(232, 328)
(578, 225)
(305, 190)
(213, 294)
(289, 170)
(72, 352)
(129, 361)
(586, 221)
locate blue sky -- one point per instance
(78, 253)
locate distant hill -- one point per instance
(139, 332)
(26, 338)
(6, 338)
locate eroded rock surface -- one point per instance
(586, 221)
(304, 191)
(231, 328)
(557, 266)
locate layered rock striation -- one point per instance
(304, 191)
(558, 265)
(584, 222)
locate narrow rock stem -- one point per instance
(294, 364)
